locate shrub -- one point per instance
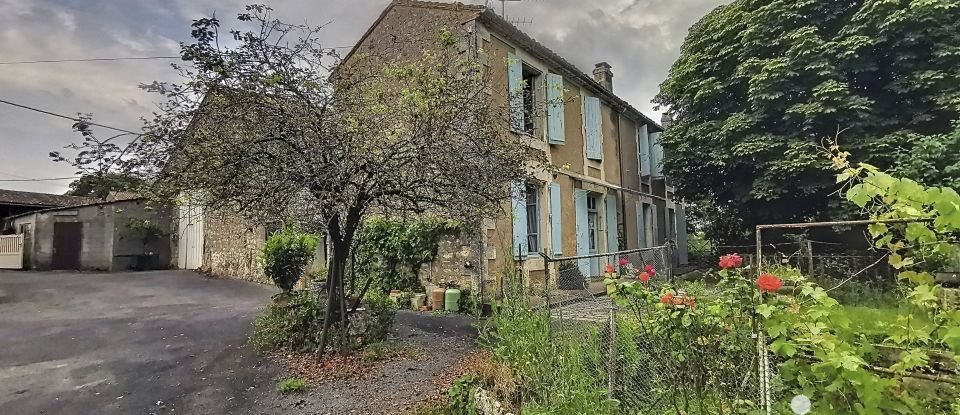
(374, 323)
(291, 385)
(462, 395)
(291, 323)
(286, 254)
(392, 252)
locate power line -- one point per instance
(40, 180)
(132, 58)
(74, 119)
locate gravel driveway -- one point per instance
(172, 342)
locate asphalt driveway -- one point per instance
(165, 342)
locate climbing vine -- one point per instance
(391, 252)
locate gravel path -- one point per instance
(393, 387)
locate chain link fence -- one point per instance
(695, 367)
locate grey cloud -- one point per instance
(639, 38)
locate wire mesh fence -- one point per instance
(651, 354)
(691, 366)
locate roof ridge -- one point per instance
(491, 17)
(439, 5)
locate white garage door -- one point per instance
(190, 245)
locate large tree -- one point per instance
(101, 185)
(277, 127)
(761, 84)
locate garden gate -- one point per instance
(11, 251)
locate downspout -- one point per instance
(623, 202)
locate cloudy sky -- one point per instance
(639, 38)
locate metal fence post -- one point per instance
(612, 358)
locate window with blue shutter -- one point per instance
(583, 241)
(515, 91)
(591, 125)
(643, 143)
(556, 220)
(613, 237)
(518, 200)
(555, 131)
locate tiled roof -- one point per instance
(16, 197)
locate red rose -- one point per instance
(610, 269)
(649, 270)
(691, 302)
(667, 298)
(644, 276)
(769, 283)
(624, 262)
(731, 261)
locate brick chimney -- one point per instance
(603, 75)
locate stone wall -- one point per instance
(231, 248)
(459, 260)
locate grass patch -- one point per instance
(291, 385)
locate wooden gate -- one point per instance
(190, 229)
(11, 251)
(67, 242)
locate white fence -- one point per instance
(11, 251)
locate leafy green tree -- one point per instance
(760, 84)
(101, 184)
(933, 160)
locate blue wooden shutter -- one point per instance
(591, 124)
(641, 226)
(643, 143)
(682, 235)
(555, 131)
(656, 155)
(556, 221)
(515, 90)
(613, 237)
(519, 200)
(583, 243)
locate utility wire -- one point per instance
(133, 58)
(40, 180)
(74, 119)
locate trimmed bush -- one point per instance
(292, 323)
(286, 254)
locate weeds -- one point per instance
(291, 385)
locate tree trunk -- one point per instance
(340, 251)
